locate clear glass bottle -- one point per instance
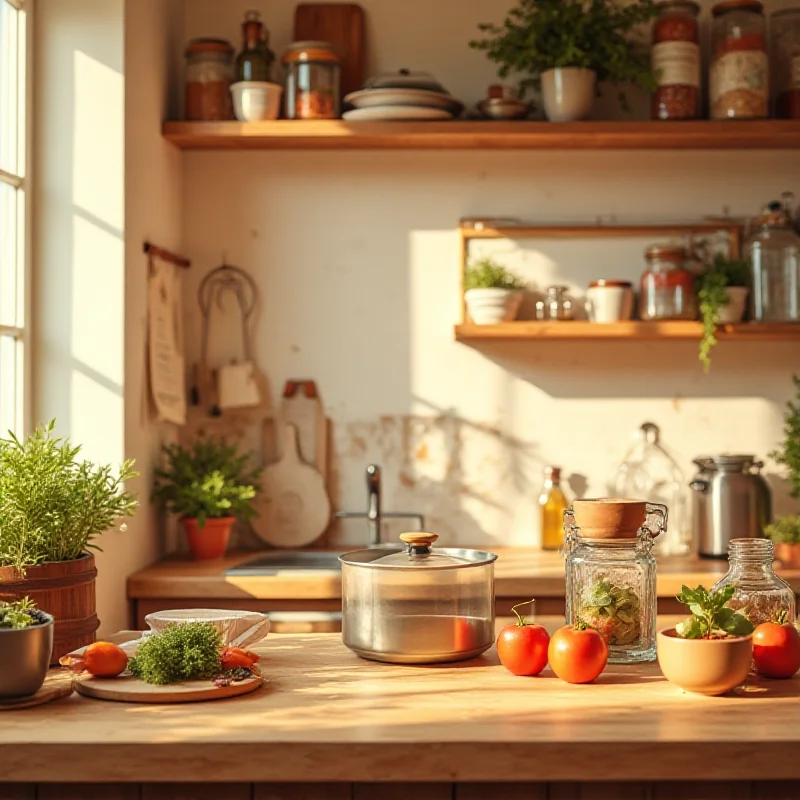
(676, 61)
(774, 251)
(760, 593)
(312, 80)
(254, 62)
(555, 306)
(667, 287)
(611, 586)
(209, 74)
(739, 73)
(785, 49)
(552, 505)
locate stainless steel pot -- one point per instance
(417, 605)
(25, 658)
(731, 500)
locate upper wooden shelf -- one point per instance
(576, 330)
(457, 135)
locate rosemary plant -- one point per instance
(488, 274)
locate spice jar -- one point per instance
(312, 81)
(209, 74)
(676, 61)
(667, 288)
(785, 48)
(555, 306)
(611, 583)
(739, 75)
(760, 594)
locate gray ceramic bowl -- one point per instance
(24, 659)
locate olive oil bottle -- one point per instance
(552, 504)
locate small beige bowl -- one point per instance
(609, 517)
(704, 666)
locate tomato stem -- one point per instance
(781, 617)
(520, 619)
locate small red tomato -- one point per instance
(234, 657)
(577, 654)
(522, 648)
(776, 648)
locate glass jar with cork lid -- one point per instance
(312, 80)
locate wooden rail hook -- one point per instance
(154, 251)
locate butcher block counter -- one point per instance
(520, 574)
(328, 724)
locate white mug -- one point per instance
(609, 301)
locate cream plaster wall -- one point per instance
(356, 259)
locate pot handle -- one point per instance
(419, 541)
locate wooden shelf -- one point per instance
(458, 135)
(580, 330)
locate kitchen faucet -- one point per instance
(373, 514)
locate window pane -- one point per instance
(10, 273)
(10, 89)
(10, 385)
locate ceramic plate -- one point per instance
(388, 113)
(370, 98)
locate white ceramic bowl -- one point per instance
(256, 100)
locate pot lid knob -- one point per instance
(419, 539)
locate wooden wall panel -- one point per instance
(508, 791)
(303, 791)
(17, 791)
(88, 791)
(600, 791)
(202, 791)
(703, 790)
(403, 791)
(775, 790)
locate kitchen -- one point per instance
(368, 305)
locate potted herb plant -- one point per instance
(209, 486)
(785, 535)
(492, 293)
(26, 644)
(711, 651)
(567, 47)
(722, 289)
(53, 508)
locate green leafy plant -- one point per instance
(785, 530)
(789, 453)
(53, 506)
(208, 480)
(601, 35)
(711, 618)
(488, 274)
(21, 614)
(186, 652)
(710, 286)
(613, 611)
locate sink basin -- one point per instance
(288, 560)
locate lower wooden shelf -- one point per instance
(625, 331)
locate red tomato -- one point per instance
(776, 649)
(577, 654)
(523, 648)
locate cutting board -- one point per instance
(56, 685)
(341, 24)
(301, 406)
(127, 689)
(294, 509)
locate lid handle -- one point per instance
(418, 541)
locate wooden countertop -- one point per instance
(326, 715)
(519, 572)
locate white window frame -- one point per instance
(21, 332)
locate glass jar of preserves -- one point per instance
(209, 74)
(676, 61)
(312, 81)
(611, 587)
(774, 252)
(760, 594)
(667, 287)
(739, 75)
(785, 27)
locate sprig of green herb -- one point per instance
(710, 615)
(489, 274)
(789, 453)
(785, 530)
(19, 614)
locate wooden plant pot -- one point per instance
(64, 589)
(788, 554)
(210, 541)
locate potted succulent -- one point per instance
(492, 293)
(26, 644)
(567, 47)
(711, 651)
(209, 486)
(722, 289)
(53, 507)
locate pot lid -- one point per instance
(727, 462)
(405, 79)
(418, 554)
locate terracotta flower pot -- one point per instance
(736, 306)
(211, 540)
(609, 517)
(704, 666)
(788, 554)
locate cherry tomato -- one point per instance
(577, 654)
(776, 648)
(522, 648)
(233, 657)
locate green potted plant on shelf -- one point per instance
(785, 531)
(711, 651)
(722, 289)
(209, 486)
(567, 47)
(26, 644)
(492, 293)
(53, 508)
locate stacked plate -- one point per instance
(402, 96)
